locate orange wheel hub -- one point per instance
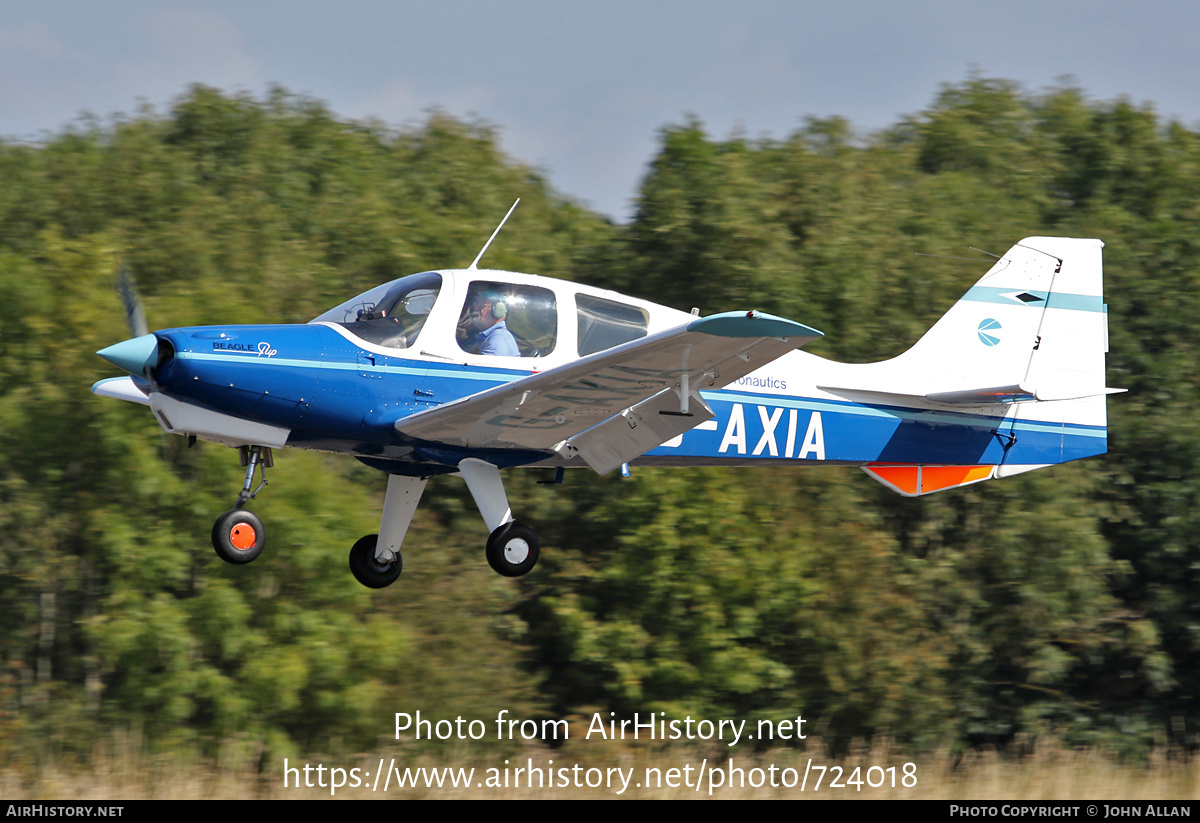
(242, 536)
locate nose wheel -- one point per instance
(238, 536)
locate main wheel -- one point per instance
(238, 536)
(368, 570)
(513, 549)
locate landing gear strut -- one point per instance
(513, 548)
(253, 457)
(238, 536)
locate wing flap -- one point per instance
(636, 431)
(543, 410)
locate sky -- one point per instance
(579, 89)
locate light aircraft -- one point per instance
(402, 377)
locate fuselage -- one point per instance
(341, 382)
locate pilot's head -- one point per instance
(488, 309)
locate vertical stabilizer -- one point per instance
(1035, 321)
(1025, 346)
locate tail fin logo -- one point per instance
(987, 332)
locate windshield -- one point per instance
(390, 315)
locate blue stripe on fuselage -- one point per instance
(337, 396)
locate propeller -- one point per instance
(134, 316)
(139, 354)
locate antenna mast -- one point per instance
(475, 262)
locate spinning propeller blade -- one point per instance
(139, 354)
(134, 315)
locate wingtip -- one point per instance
(751, 324)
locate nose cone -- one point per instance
(136, 355)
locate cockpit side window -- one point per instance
(391, 315)
(509, 320)
(606, 323)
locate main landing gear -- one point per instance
(375, 560)
(512, 548)
(374, 572)
(238, 536)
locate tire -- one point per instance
(513, 549)
(238, 536)
(369, 571)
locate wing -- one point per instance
(615, 405)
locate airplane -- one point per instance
(404, 378)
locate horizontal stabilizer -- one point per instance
(958, 397)
(1016, 393)
(1065, 393)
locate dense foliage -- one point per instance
(1053, 603)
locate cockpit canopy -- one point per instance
(497, 314)
(390, 315)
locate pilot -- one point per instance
(491, 332)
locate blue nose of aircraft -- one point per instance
(136, 355)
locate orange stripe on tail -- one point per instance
(914, 480)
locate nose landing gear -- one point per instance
(238, 536)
